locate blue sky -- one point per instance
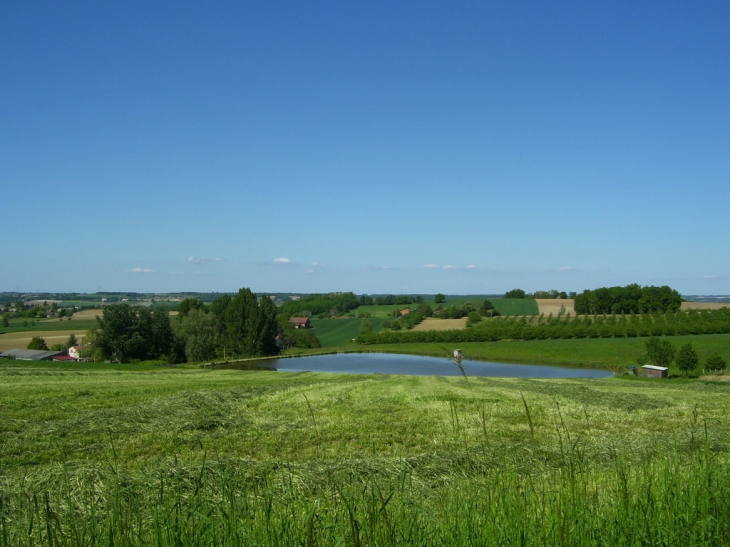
(378, 147)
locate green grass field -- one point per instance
(16, 325)
(340, 332)
(102, 455)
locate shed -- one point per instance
(457, 354)
(652, 371)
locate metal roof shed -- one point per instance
(652, 371)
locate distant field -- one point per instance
(431, 323)
(555, 306)
(20, 340)
(704, 305)
(515, 306)
(340, 332)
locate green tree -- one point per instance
(189, 304)
(659, 352)
(715, 362)
(487, 309)
(515, 293)
(72, 341)
(198, 331)
(439, 298)
(687, 359)
(5, 323)
(37, 343)
(366, 326)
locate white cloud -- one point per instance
(282, 261)
(709, 277)
(197, 260)
(308, 271)
(471, 267)
(449, 267)
(142, 270)
(564, 268)
(431, 266)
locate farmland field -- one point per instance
(20, 340)
(339, 332)
(100, 455)
(431, 323)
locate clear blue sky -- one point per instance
(378, 147)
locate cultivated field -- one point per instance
(20, 340)
(432, 323)
(704, 305)
(555, 306)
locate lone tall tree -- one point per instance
(687, 359)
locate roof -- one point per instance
(298, 320)
(30, 354)
(654, 367)
(64, 358)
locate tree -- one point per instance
(37, 343)
(515, 293)
(72, 341)
(5, 323)
(127, 333)
(487, 309)
(439, 298)
(715, 362)
(197, 330)
(659, 353)
(687, 359)
(189, 304)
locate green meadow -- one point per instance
(143, 455)
(340, 332)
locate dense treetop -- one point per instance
(628, 299)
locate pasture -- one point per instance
(340, 332)
(191, 456)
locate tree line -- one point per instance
(231, 327)
(551, 327)
(628, 299)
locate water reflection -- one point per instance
(388, 363)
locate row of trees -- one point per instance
(390, 299)
(628, 299)
(514, 328)
(316, 304)
(241, 326)
(519, 293)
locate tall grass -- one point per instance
(665, 500)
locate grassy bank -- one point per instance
(191, 456)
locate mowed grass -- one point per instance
(515, 306)
(194, 456)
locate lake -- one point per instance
(389, 363)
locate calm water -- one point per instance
(388, 363)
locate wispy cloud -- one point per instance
(564, 268)
(142, 270)
(431, 266)
(198, 260)
(282, 261)
(709, 277)
(449, 267)
(471, 267)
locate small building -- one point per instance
(405, 311)
(458, 354)
(30, 354)
(75, 352)
(652, 371)
(300, 322)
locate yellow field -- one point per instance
(20, 340)
(553, 305)
(704, 305)
(441, 324)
